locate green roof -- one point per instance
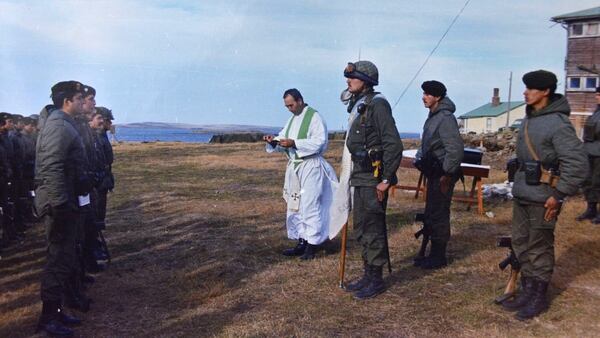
(487, 110)
(579, 15)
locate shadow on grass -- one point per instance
(580, 258)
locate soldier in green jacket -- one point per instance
(552, 165)
(591, 144)
(439, 159)
(376, 149)
(60, 179)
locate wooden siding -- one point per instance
(584, 51)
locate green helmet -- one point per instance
(363, 70)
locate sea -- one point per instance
(132, 134)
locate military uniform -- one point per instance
(440, 155)
(591, 186)
(59, 180)
(376, 149)
(547, 142)
(108, 182)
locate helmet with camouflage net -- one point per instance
(363, 70)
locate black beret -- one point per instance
(89, 90)
(67, 88)
(540, 79)
(5, 116)
(434, 88)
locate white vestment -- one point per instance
(309, 180)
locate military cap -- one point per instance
(34, 116)
(434, 88)
(28, 120)
(89, 90)
(540, 79)
(17, 117)
(105, 112)
(5, 116)
(67, 87)
(363, 70)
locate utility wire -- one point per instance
(431, 53)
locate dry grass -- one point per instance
(196, 231)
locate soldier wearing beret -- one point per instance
(552, 165)
(591, 144)
(439, 159)
(376, 149)
(8, 232)
(28, 139)
(59, 181)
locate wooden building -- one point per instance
(582, 63)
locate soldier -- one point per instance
(308, 177)
(60, 180)
(108, 183)
(5, 173)
(28, 139)
(376, 149)
(552, 165)
(10, 231)
(591, 144)
(439, 159)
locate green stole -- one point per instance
(302, 132)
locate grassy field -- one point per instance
(196, 232)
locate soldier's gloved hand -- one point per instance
(552, 206)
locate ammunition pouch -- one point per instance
(512, 166)
(535, 174)
(369, 160)
(589, 132)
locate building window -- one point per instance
(577, 29)
(582, 83)
(584, 29)
(591, 83)
(488, 124)
(575, 83)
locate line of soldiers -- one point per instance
(17, 156)
(57, 167)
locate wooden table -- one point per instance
(474, 196)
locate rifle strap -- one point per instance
(528, 142)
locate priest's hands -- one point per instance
(287, 143)
(268, 138)
(381, 190)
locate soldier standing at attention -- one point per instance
(439, 159)
(376, 149)
(552, 165)
(591, 144)
(60, 179)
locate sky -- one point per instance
(229, 62)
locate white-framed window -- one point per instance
(578, 30)
(582, 83)
(488, 124)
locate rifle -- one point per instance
(426, 233)
(343, 255)
(515, 266)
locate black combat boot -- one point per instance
(522, 298)
(436, 258)
(50, 322)
(375, 286)
(298, 250)
(66, 319)
(538, 302)
(310, 252)
(360, 283)
(590, 213)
